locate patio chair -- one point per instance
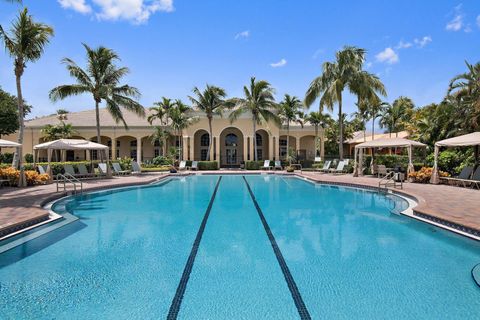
(346, 161)
(136, 169)
(82, 170)
(381, 170)
(41, 169)
(317, 159)
(266, 165)
(474, 181)
(68, 168)
(194, 165)
(339, 169)
(102, 168)
(4, 181)
(326, 166)
(278, 165)
(463, 176)
(118, 170)
(182, 165)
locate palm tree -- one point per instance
(317, 119)
(465, 88)
(290, 111)
(160, 111)
(259, 101)
(161, 136)
(179, 120)
(211, 102)
(60, 131)
(345, 72)
(362, 116)
(396, 115)
(25, 42)
(375, 111)
(101, 79)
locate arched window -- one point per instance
(231, 140)
(205, 140)
(259, 139)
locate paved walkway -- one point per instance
(20, 208)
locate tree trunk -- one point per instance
(288, 143)
(317, 142)
(255, 138)
(18, 156)
(340, 127)
(210, 142)
(373, 128)
(97, 119)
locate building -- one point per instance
(232, 142)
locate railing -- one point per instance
(67, 178)
(390, 180)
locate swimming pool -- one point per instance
(240, 247)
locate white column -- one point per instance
(270, 147)
(245, 148)
(185, 148)
(252, 149)
(139, 150)
(277, 148)
(191, 143)
(217, 149)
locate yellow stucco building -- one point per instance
(232, 142)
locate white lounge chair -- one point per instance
(182, 165)
(194, 165)
(266, 165)
(317, 159)
(278, 165)
(41, 169)
(136, 169)
(68, 168)
(339, 169)
(326, 166)
(118, 170)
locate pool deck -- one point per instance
(454, 207)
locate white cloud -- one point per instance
(136, 11)
(403, 45)
(278, 64)
(456, 23)
(244, 34)
(423, 41)
(388, 55)
(77, 5)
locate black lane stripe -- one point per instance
(292, 286)
(182, 285)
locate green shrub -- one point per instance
(125, 163)
(28, 158)
(256, 165)
(6, 157)
(452, 161)
(207, 165)
(161, 161)
(317, 165)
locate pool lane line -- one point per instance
(292, 286)
(182, 285)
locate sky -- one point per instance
(171, 46)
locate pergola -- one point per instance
(385, 143)
(69, 144)
(467, 140)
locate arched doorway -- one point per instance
(201, 140)
(262, 145)
(231, 148)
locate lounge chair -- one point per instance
(266, 165)
(346, 161)
(461, 178)
(118, 170)
(474, 181)
(278, 165)
(82, 170)
(317, 159)
(339, 169)
(136, 169)
(68, 168)
(182, 165)
(381, 170)
(194, 165)
(41, 169)
(326, 166)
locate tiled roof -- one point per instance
(358, 137)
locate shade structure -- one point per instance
(385, 143)
(8, 144)
(466, 140)
(70, 144)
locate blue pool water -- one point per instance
(320, 252)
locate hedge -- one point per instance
(207, 165)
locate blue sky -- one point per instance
(171, 46)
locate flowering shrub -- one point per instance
(424, 174)
(31, 176)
